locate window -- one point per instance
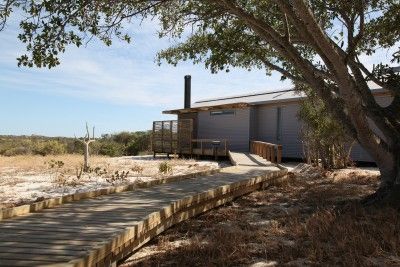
(278, 123)
(222, 112)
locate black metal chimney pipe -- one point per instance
(188, 85)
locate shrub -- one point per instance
(124, 143)
(324, 139)
(132, 149)
(49, 147)
(111, 149)
(118, 177)
(123, 138)
(138, 169)
(55, 164)
(165, 167)
(20, 150)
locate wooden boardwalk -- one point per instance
(103, 230)
(247, 159)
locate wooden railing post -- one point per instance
(153, 137)
(268, 151)
(226, 152)
(191, 148)
(170, 132)
(273, 160)
(162, 136)
(279, 155)
(264, 153)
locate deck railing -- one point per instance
(217, 147)
(268, 151)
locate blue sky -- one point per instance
(115, 88)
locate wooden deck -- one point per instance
(103, 230)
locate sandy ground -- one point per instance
(26, 179)
(312, 219)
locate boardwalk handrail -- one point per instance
(268, 151)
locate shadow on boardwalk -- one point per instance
(94, 230)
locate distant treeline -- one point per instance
(119, 144)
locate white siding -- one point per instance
(235, 128)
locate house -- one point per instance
(265, 116)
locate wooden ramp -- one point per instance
(248, 160)
(103, 230)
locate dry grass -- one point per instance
(300, 222)
(30, 163)
(354, 177)
(73, 162)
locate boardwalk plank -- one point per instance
(82, 225)
(54, 239)
(43, 241)
(26, 245)
(90, 230)
(40, 251)
(51, 229)
(26, 263)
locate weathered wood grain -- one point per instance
(54, 202)
(99, 231)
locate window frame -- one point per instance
(222, 112)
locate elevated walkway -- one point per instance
(249, 160)
(100, 231)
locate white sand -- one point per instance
(20, 187)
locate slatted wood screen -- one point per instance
(185, 134)
(172, 136)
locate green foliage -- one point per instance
(140, 143)
(50, 147)
(124, 143)
(15, 151)
(217, 37)
(110, 148)
(119, 144)
(165, 167)
(324, 139)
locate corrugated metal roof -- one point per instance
(253, 99)
(261, 97)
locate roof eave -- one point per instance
(206, 108)
(377, 91)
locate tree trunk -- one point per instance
(86, 157)
(389, 189)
